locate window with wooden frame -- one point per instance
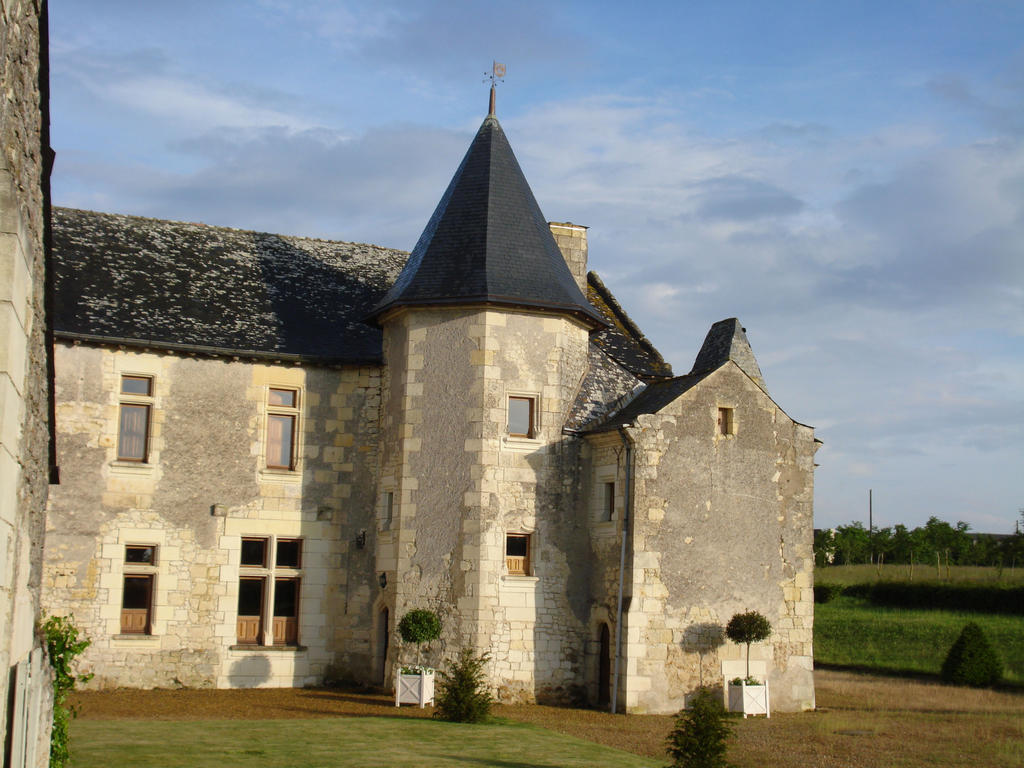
(726, 423)
(517, 554)
(282, 427)
(134, 415)
(522, 416)
(137, 595)
(269, 582)
(387, 512)
(607, 501)
(251, 589)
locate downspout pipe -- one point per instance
(627, 443)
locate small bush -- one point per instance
(826, 593)
(699, 738)
(972, 660)
(462, 695)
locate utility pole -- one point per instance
(871, 528)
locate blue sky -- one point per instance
(847, 178)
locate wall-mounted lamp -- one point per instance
(361, 540)
(383, 581)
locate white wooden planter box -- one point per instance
(750, 699)
(415, 689)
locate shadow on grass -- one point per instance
(373, 704)
(488, 761)
(910, 674)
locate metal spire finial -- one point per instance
(497, 76)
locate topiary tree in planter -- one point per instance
(419, 626)
(972, 660)
(416, 685)
(747, 628)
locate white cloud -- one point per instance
(195, 106)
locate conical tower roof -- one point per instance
(488, 242)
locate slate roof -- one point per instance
(651, 400)
(166, 284)
(173, 285)
(604, 388)
(623, 341)
(488, 242)
(726, 341)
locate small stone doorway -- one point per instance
(382, 644)
(604, 667)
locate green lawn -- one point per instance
(364, 742)
(852, 632)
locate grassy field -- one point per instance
(861, 574)
(853, 633)
(862, 720)
(367, 741)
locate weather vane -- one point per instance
(497, 76)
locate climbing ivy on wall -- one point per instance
(64, 645)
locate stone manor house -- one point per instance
(272, 448)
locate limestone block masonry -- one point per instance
(572, 242)
(24, 404)
(717, 532)
(464, 484)
(204, 487)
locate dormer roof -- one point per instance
(727, 340)
(488, 243)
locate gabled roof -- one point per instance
(488, 242)
(651, 400)
(171, 285)
(725, 342)
(623, 341)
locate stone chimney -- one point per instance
(572, 242)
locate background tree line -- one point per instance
(935, 541)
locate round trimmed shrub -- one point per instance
(972, 660)
(419, 626)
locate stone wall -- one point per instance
(463, 483)
(572, 242)
(604, 462)
(722, 524)
(24, 404)
(204, 485)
